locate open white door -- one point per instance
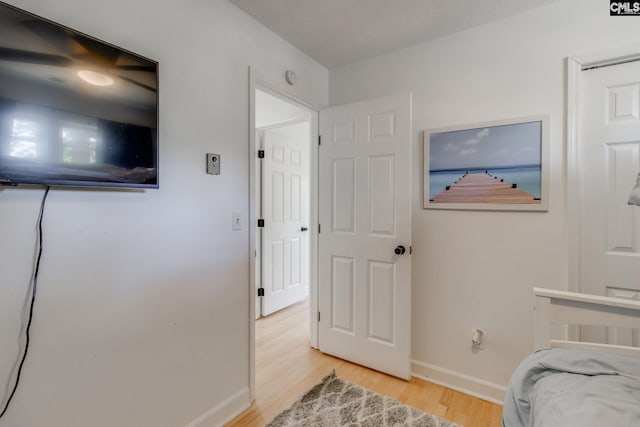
(609, 152)
(285, 198)
(364, 287)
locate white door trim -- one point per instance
(256, 82)
(575, 65)
(573, 175)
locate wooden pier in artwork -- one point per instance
(483, 188)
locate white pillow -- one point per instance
(634, 198)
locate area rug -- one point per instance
(335, 402)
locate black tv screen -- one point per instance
(74, 110)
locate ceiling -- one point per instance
(339, 32)
(271, 110)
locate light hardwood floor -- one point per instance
(286, 367)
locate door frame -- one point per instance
(257, 82)
(575, 66)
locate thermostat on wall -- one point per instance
(213, 164)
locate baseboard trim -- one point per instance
(463, 383)
(224, 411)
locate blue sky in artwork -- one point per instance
(490, 147)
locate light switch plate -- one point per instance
(213, 164)
(236, 223)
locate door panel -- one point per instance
(286, 209)
(296, 199)
(277, 194)
(365, 212)
(277, 266)
(342, 295)
(381, 195)
(610, 161)
(621, 170)
(382, 291)
(295, 258)
(344, 196)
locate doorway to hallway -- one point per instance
(283, 140)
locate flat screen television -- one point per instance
(74, 110)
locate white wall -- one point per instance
(142, 312)
(476, 269)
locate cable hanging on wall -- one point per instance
(34, 288)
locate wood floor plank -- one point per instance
(286, 367)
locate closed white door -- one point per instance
(365, 216)
(610, 160)
(285, 198)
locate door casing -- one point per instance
(256, 82)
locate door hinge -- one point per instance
(261, 223)
(318, 317)
(260, 292)
(261, 154)
(410, 250)
(318, 228)
(319, 139)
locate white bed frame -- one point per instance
(570, 308)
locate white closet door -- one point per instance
(610, 161)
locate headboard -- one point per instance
(572, 308)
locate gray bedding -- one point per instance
(573, 388)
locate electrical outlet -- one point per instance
(213, 164)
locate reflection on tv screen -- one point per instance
(43, 145)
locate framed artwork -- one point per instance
(500, 165)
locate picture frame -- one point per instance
(496, 165)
